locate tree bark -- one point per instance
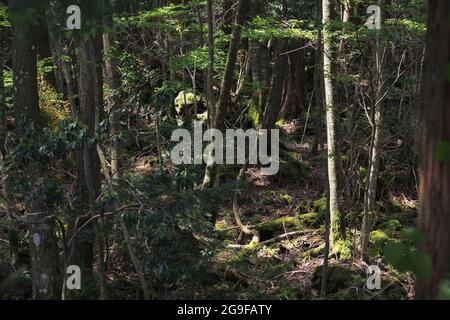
(225, 87)
(113, 82)
(337, 230)
(370, 205)
(434, 191)
(211, 58)
(59, 50)
(44, 258)
(273, 106)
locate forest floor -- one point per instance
(290, 268)
(182, 265)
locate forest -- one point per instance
(225, 150)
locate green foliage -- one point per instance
(254, 114)
(378, 236)
(4, 18)
(321, 204)
(342, 249)
(391, 226)
(53, 108)
(8, 78)
(45, 66)
(198, 59)
(410, 26)
(265, 28)
(404, 259)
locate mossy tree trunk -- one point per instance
(337, 230)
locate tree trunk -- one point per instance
(225, 88)
(318, 84)
(113, 82)
(25, 93)
(337, 230)
(273, 106)
(210, 80)
(259, 59)
(60, 49)
(44, 258)
(434, 191)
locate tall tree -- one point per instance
(336, 216)
(376, 142)
(227, 83)
(44, 258)
(113, 82)
(211, 51)
(259, 58)
(434, 191)
(90, 84)
(274, 101)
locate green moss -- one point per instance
(341, 249)
(224, 232)
(254, 114)
(280, 223)
(378, 236)
(312, 219)
(221, 225)
(287, 198)
(321, 205)
(391, 226)
(317, 251)
(236, 259)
